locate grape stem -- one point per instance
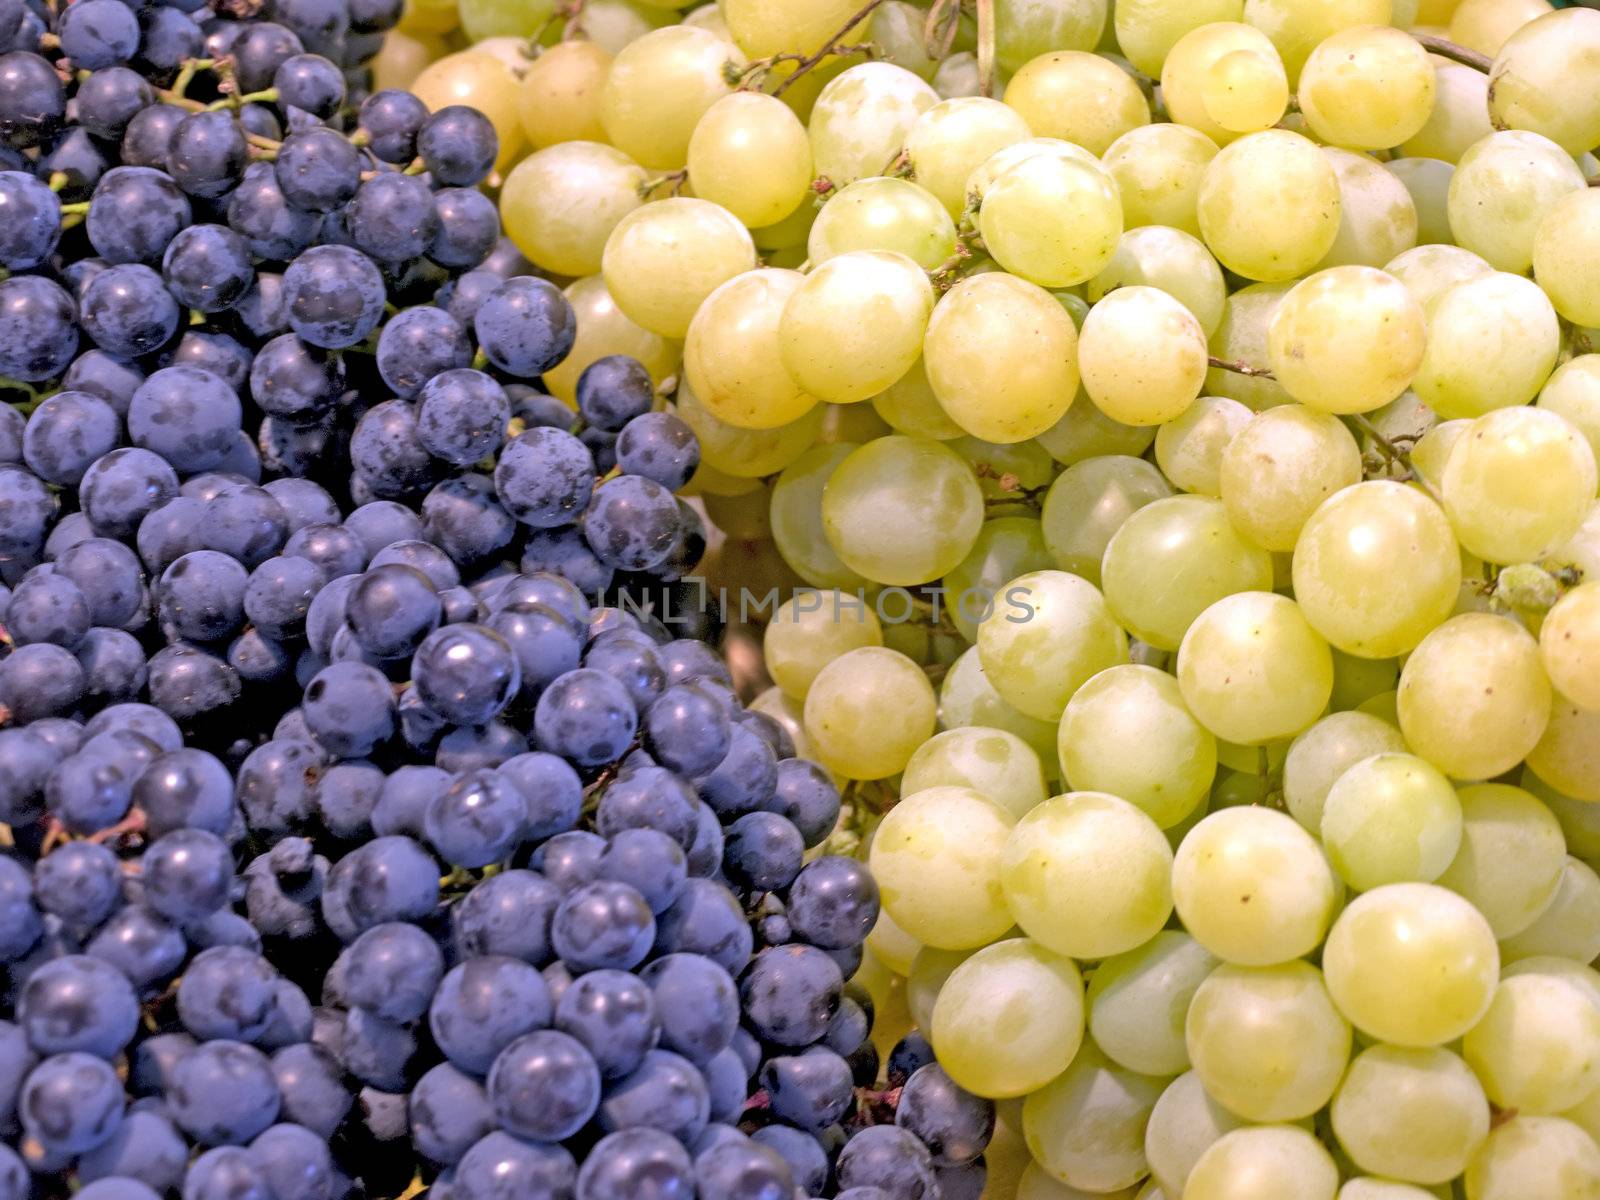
(1396, 454)
(832, 46)
(674, 179)
(1239, 368)
(939, 32)
(985, 16)
(1445, 48)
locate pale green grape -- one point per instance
(731, 353)
(1191, 63)
(809, 631)
(1391, 818)
(1137, 1003)
(796, 519)
(1569, 645)
(788, 234)
(1025, 29)
(1296, 27)
(855, 325)
(1580, 820)
(746, 453)
(1003, 159)
(763, 27)
(1430, 271)
(1147, 29)
(1127, 732)
(1006, 547)
(957, 75)
(1367, 88)
(1346, 340)
(954, 138)
(1084, 432)
(1269, 205)
(1569, 926)
(1502, 189)
(1460, 114)
(1189, 447)
(1568, 755)
(1568, 238)
(1170, 259)
(902, 510)
(1001, 355)
(1253, 887)
(998, 764)
(1009, 1019)
(1089, 502)
(482, 19)
(662, 260)
(1052, 632)
(1078, 97)
(929, 971)
(909, 406)
(896, 29)
(603, 329)
(1267, 1042)
(1518, 484)
(1368, 1188)
(560, 204)
(1242, 338)
(1511, 857)
(883, 214)
(1492, 341)
(1582, 549)
(1245, 91)
(1429, 456)
(867, 711)
(1527, 85)
(1279, 469)
(559, 97)
(1183, 1125)
(1574, 392)
(1253, 670)
(613, 24)
(1537, 1049)
(1377, 216)
(967, 699)
(1171, 560)
(1157, 169)
(749, 153)
(1412, 1113)
(1535, 1158)
(658, 89)
(1054, 221)
(1473, 697)
(1411, 963)
(1581, 975)
(1427, 181)
(861, 119)
(1086, 1127)
(1142, 355)
(937, 859)
(1088, 875)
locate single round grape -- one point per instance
(1147, 29)
(1534, 1158)
(1459, 116)
(1574, 392)
(1280, 468)
(1565, 756)
(1170, 259)
(481, 81)
(861, 119)
(560, 204)
(1157, 169)
(1050, 636)
(662, 260)
(1484, 25)
(1568, 236)
(1271, 1162)
(955, 137)
(1143, 356)
(1025, 29)
(1003, 159)
(1183, 1125)
(731, 355)
(1348, 339)
(1084, 432)
(1524, 92)
(1052, 220)
(750, 154)
(746, 453)
(658, 89)
(559, 99)
(1427, 185)
(1245, 91)
(1492, 341)
(1269, 205)
(1200, 62)
(998, 764)
(1568, 926)
(1086, 1126)
(1007, 546)
(1511, 856)
(795, 516)
(1138, 1000)
(1189, 447)
(968, 699)
(1391, 818)
(809, 631)
(604, 330)
(1569, 645)
(1503, 187)
(1377, 216)
(1078, 97)
(867, 711)
(1430, 271)
(763, 27)
(1367, 88)
(1413, 1113)
(883, 213)
(1089, 502)
(1537, 1049)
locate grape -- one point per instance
(1564, 756)
(1279, 468)
(1242, 337)
(1143, 356)
(603, 330)
(1189, 447)
(1567, 645)
(657, 90)
(559, 100)
(1545, 49)
(796, 518)
(1269, 205)
(1077, 97)
(883, 214)
(1423, 220)
(1367, 88)
(802, 639)
(662, 260)
(1572, 392)
(862, 117)
(1568, 234)
(480, 81)
(1391, 818)
(1245, 91)
(764, 27)
(867, 711)
(1223, 69)
(1278, 1162)
(1158, 169)
(1534, 1157)
(996, 763)
(1183, 1124)
(1413, 1114)
(954, 138)
(1492, 341)
(745, 453)
(1502, 189)
(1137, 1003)
(1052, 220)
(1511, 856)
(1566, 927)
(1089, 502)
(968, 699)
(1384, 326)
(750, 154)
(1064, 636)
(731, 355)
(1538, 1047)
(1086, 1127)
(1172, 260)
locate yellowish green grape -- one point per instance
(1006, 547)
(1170, 259)
(1568, 755)
(763, 27)
(1427, 180)
(1127, 732)
(1183, 1125)
(954, 138)
(1269, 205)
(1086, 1127)
(1192, 64)
(1511, 856)
(1242, 338)
(883, 214)
(1377, 216)
(861, 120)
(1367, 88)
(406, 54)
(866, 713)
(956, 75)
(1537, 1049)
(1279, 469)
(1430, 271)
(1036, 1183)
(909, 406)
(896, 28)
(796, 518)
(810, 630)
(1526, 86)
(1574, 392)
(658, 89)
(1411, 963)
(1088, 875)
(998, 764)
(1157, 169)
(1412, 1113)
(1569, 237)
(746, 453)
(1569, 645)
(1492, 341)
(561, 204)
(856, 324)
(1025, 29)
(1535, 1158)
(1253, 887)
(1245, 91)
(902, 510)
(1003, 159)
(967, 699)
(1089, 502)
(1356, 680)
(1267, 1042)
(1189, 447)
(1084, 432)
(480, 81)
(1078, 97)
(423, 17)
(1048, 635)
(1009, 1019)
(663, 259)
(750, 154)
(927, 976)
(1459, 117)
(1137, 1003)
(481, 19)
(891, 945)
(1296, 27)
(613, 24)
(1502, 189)
(1054, 221)
(1001, 356)
(603, 329)
(1570, 926)
(1147, 29)
(1484, 25)
(731, 353)
(1142, 355)
(1391, 818)
(1253, 670)
(1347, 339)
(559, 98)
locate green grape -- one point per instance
(1411, 1113)
(809, 631)
(896, 29)
(658, 89)
(603, 329)
(746, 453)
(1427, 181)
(796, 518)
(1183, 1125)
(937, 858)
(902, 510)
(482, 19)
(861, 119)
(1502, 188)
(1570, 926)
(1157, 169)
(1009, 1019)
(1267, 1042)
(1279, 469)
(998, 764)
(1088, 875)
(1377, 216)
(662, 260)
(929, 971)
(967, 699)
(1137, 1003)
(1142, 355)
(1356, 680)
(1269, 205)
(1568, 237)
(1003, 159)
(1001, 356)
(731, 353)
(1008, 473)
(1569, 645)
(1189, 447)
(1492, 341)
(1052, 632)
(891, 945)
(867, 711)
(1297, 27)
(1148, 29)
(1511, 857)
(954, 138)
(1430, 271)
(1084, 432)
(1583, 976)
(559, 98)
(750, 154)
(786, 713)
(1006, 547)
(1574, 392)
(763, 27)
(1242, 338)
(1253, 670)
(1191, 64)
(1535, 1158)
(856, 324)
(1170, 259)
(1127, 732)
(1078, 97)
(1245, 91)
(1519, 484)
(1346, 340)
(1052, 220)
(1367, 88)
(1253, 887)
(1086, 1126)
(1391, 818)
(957, 75)
(614, 24)
(1089, 502)
(1537, 1049)
(1025, 29)
(1526, 86)
(1411, 963)
(561, 204)
(1460, 114)
(909, 406)
(883, 214)
(1172, 560)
